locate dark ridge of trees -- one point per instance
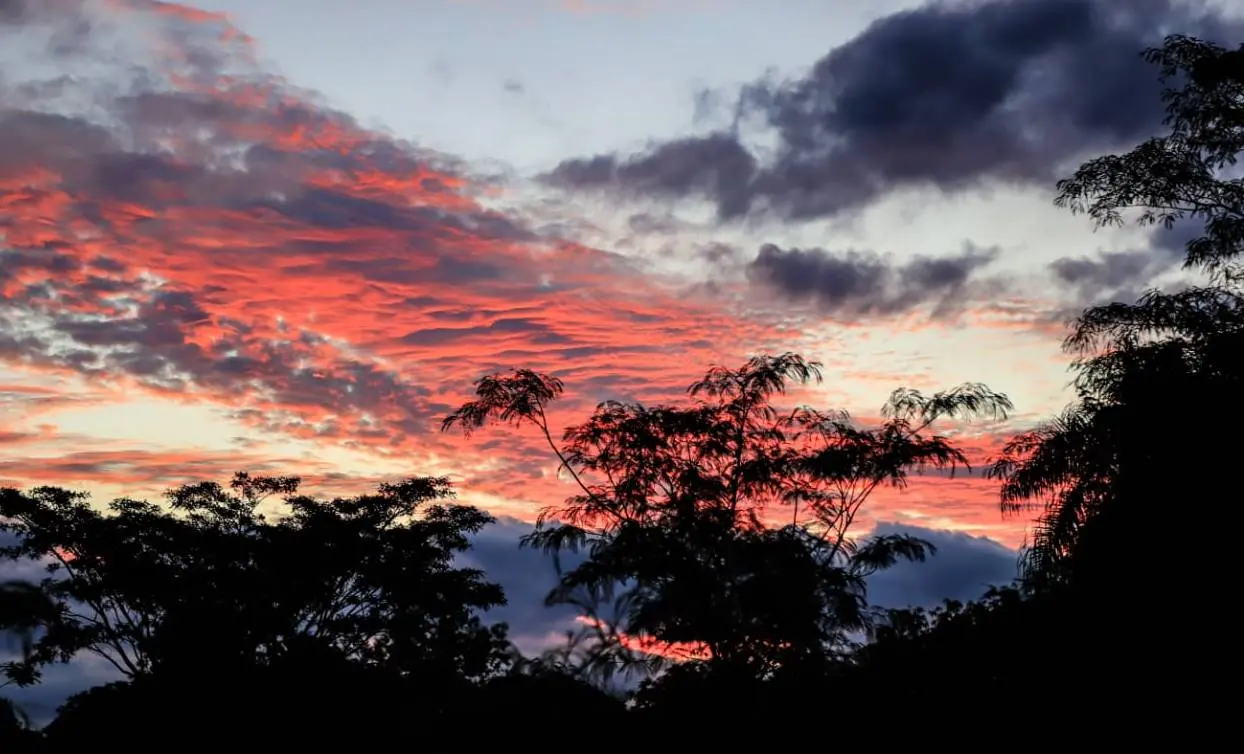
(721, 527)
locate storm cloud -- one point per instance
(854, 284)
(952, 95)
(1111, 276)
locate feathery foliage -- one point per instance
(1100, 458)
(683, 511)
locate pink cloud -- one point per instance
(209, 233)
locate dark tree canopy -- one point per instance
(725, 523)
(1148, 441)
(1105, 457)
(1180, 175)
(229, 578)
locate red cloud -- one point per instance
(673, 651)
(207, 232)
(137, 471)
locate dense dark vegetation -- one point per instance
(720, 528)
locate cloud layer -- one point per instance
(175, 220)
(178, 223)
(950, 95)
(855, 283)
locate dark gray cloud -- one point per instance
(649, 223)
(444, 335)
(1106, 277)
(860, 284)
(527, 576)
(963, 568)
(716, 166)
(13, 263)
(949, 95)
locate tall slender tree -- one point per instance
(726, 524)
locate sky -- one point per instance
(288, 235)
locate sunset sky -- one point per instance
(287, 235)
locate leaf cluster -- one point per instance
(244, 576)
(723, 524)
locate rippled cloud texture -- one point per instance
(177, 222)
(213, 249)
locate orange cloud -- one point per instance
(137, 471)
(206, 232)
(675, 651)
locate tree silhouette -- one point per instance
(1098, 471)
(255, 576)
(24, 608)
(1179, 175)
(1149, 435)
(720, 531)
(16, 734)
(725, 525)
